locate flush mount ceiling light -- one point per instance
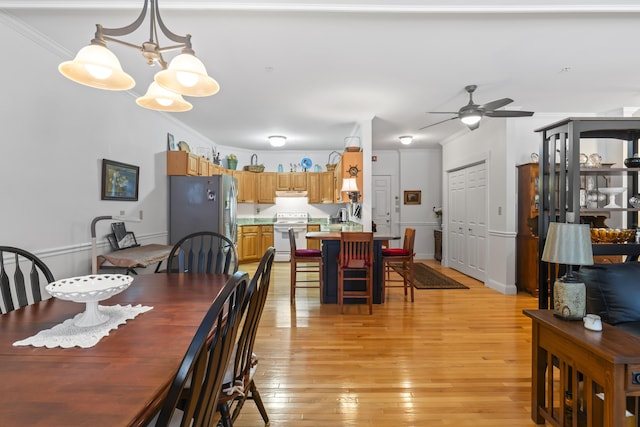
(277, 140)
(406, 140)
(98, 67)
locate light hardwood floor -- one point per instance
(451, 358)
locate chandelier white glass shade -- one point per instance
(406, 140)
(277, 140)
(470, 118)
(160, 99)
(96, 66)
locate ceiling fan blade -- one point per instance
(437, 123)
(509, 113)
(443, 112)
(498, 103)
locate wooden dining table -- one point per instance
(122, 380)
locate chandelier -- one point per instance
(98, 67)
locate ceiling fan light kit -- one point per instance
(96, 66)
(472, 113)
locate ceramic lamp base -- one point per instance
(569, 299)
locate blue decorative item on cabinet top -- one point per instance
(280, 168)
(317, 168)
(306, 163)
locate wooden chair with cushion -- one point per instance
(402, 260)
(22, 274)
(192, 399)
(304, 261)
(355, 267)
(203, 252)
(238, 383)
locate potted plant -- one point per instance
(438, 212)
(232, 161)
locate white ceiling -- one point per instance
(312, 71)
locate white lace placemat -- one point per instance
(67, 335)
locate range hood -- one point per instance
(291, 193)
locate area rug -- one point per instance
(426, 277)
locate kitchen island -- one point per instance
(330, 251)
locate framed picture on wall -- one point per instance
(119, 181)
(412, 197)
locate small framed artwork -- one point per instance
(119, 181)
(412, 197)
(171, 143)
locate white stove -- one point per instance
(285, 220)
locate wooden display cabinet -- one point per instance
(527, 238)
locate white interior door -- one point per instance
(381, 203)
(467, 231)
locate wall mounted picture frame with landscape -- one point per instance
(120, 181)
(412, 197)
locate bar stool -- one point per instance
(356, 260)
(300, 260)
(399, 257)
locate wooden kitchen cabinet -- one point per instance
(246, 186)
(313, 187)
(266, 187)
(180, 163)
(313, 244)
(328, 189)
(286, 181)
(266, 238)
(351, 167)
(249, 242)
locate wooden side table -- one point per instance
(583, 374)
(437, 238)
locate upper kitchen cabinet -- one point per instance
(266, 187)
(296, 181)
(246, 186)
(182, 163)
(313, 187)
(351, 167)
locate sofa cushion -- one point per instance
(613, 291)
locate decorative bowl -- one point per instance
(632, 162)
(89, 290)
(612, 192)
(611, 235)
(634, 201)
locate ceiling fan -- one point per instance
(472, 113)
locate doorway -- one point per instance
(467, 227)
(381, 203)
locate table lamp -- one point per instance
(568, 244)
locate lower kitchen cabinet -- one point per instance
(253, 241)
(313, 244)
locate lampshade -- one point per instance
(470, 117)
(98, 67)
(160, 99)
(349, 185)
(187, 75)
(406, 140)
(277, 140)
(568, 244)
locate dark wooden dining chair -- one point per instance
(192, 398)
(355, 267)
(24, 274)
(239, 384)
(203, 252)
(399, 260)
(304, 261)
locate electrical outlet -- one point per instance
(140, 213)
(121, 213)
(499, 210)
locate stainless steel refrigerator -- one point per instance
(202, 203)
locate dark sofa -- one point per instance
(613, 293)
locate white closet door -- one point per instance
(467, 237)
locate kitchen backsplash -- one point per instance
(290, 204)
